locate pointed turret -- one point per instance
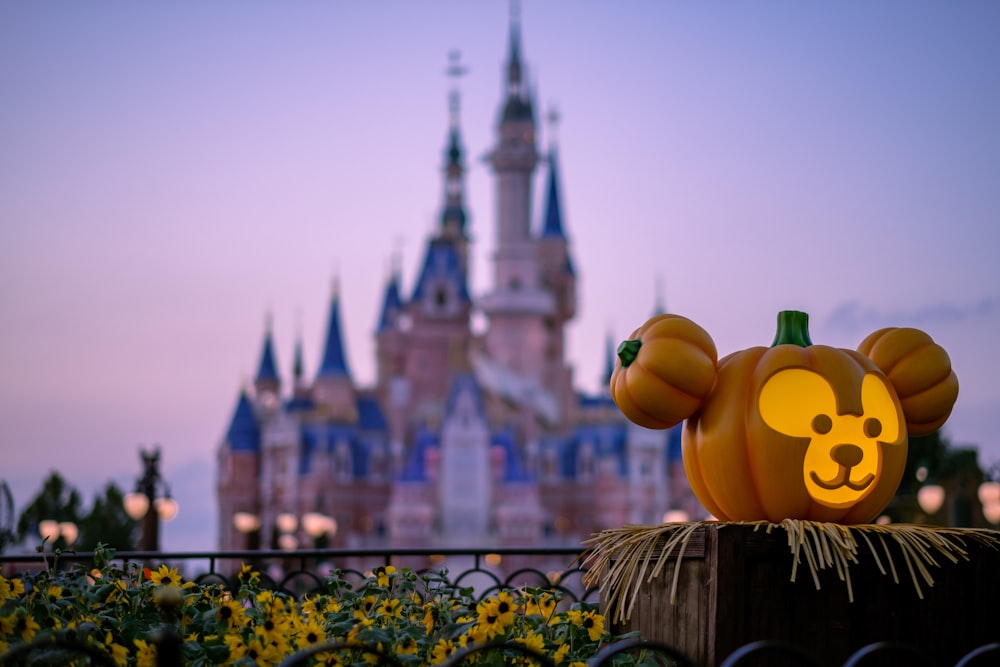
(267, 382)
(334, 362)
(552, 225)
(558, 271)
(518, 105)
(333, 390)
(243, 434)
(392, 305)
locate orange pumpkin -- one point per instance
(796, 431)
(664, 371)
(921, 372)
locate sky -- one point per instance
(174, 174)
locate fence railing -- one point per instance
(487, 570)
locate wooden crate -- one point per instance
(734, 589)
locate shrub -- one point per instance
(419, 618)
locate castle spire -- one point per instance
(453, 216)
(334, 362)
(518, 105)
(267, 371)
(392, 302)
(552, 225)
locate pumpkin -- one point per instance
(797, 431)
(664, 371)
(921, 372)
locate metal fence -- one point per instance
(301, 572)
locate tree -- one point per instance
(57, 501)
(107, 523)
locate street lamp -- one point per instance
(989, 494)
(930, 497)
(146, 505)
(51, 530)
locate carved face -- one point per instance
(792, 432)
(843, 460)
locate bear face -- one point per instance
(844, 455)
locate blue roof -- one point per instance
(441, 264)
(392, 305)
(267, 369)
(552, 225)
(334, 362)
(243, 434)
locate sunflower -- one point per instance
(488, 618)
(165, 576)
(442, 651)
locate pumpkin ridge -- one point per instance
(672, 386)
(945, 370)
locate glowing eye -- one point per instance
(822, 424)
(872, 427)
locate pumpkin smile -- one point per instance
(842, 479)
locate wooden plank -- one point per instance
(738, 590)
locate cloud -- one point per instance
(853, 316)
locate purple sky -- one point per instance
(170, 173)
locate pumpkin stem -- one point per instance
(628, 351)
(793, 329)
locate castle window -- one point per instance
(440, 297)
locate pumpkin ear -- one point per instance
(879, 403)
(794, 401)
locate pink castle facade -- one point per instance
(468, 438)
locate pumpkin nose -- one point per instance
(847, 455)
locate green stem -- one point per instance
(793, 329)
(628, 351)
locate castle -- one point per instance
(467, 438)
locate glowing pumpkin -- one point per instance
(807, 431)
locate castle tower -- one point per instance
(517, 306)
(333, 390)
(267, 383)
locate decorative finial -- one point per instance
(554, 117)
(455, 71)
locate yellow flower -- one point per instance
(429, 617)
(506, 607)
(165, 576)
(560, 655)
(489, 619)
(407, 646)
(10, 588)
(543, 605)
(231, 613)
(533, 641)
(328, 660)
(476, 634)
(364, 609)
(384, 574)
(442, 651)
(589, 620)
(309, 634)
(25, 626)
(145, 656)
(390, 607)
(118, 652)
